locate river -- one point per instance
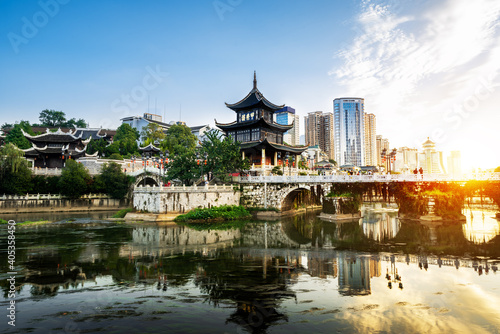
(296, 275)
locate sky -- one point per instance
(426, 68)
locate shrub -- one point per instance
(122, 213)
(224, 212)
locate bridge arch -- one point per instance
(301, 195)
(148, 180)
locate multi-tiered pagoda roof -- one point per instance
(256, 129)
(51, 149)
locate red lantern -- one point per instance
(198, 162)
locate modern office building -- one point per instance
(349, 131)
(319, 131)
(381, 144)
(370, 140)
(287, 116)
(406, 160)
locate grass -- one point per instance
(122, 213)
(224, 212)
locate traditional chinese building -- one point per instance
(261, 139)
(52, 149)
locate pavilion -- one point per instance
(260, 137)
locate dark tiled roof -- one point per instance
(258, 122)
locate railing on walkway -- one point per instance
(48, 196)
(172, 188)
(365, 178)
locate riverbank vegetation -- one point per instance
(122, 213)
(224, 212)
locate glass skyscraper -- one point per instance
(349, 131)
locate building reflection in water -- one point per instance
(481, 226)
(380, 222)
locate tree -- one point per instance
(52, 118)
(183, 167)
(74, 180)
(125, 131)
(179, 139)
(75, 123)
(223, 155)
(333, 162)
(116, 182)
(126, 137)
(97, 145)
(16, 137)
(152, 133)
(15, 176)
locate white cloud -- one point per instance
(416, 63)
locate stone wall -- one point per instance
(183, 199)
(61, 204)
(274, 195)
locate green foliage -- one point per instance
(151, 134)
(223, 155)
(277, 170)
(16, 137)
(126, 137)
(179, 139)
(225, 212)
(333, 162)
(15, 176)
(75, 180)
(115, 156)
(122, 213)
(3, 221)
(53, 118)
(116, 182)
(97, 145)
(183, 167)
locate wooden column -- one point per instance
(276, 158)
(263, 160)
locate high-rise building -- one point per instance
(319, 131)
(455, 164)
(381, 144)
(287, 116)
(349, 131)
(431, 160)
(370, 140)
(406, 160)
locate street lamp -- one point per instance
(280, 163)
(383, 157)
(204, 162)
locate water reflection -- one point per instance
(481, 226)
(290, 276)
(380, 222)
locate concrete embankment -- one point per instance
(26, 204)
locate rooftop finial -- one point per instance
(254, 80)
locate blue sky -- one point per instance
(425, 68)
